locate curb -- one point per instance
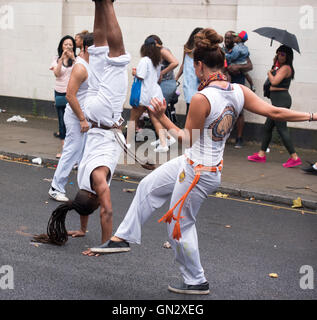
(228, 189)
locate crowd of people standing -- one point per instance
(156, 71)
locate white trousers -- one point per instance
(107, 88)
(153, 192)
(72, 151)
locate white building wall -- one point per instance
(284, 15)
(27, 49)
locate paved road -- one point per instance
(261, 239)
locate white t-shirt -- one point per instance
(150, 75)
(82, 90)
(225, 107)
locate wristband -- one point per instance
(82, 120)
(311, 117)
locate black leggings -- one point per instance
(278, 99)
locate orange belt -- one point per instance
(169, 216)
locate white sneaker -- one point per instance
(155, 143)
(159, 148)
(58, 196)
(170, 141)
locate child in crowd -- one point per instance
(240, 53)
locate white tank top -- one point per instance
(225, 107)
(82, 91)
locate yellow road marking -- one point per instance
(274, 206)
(21, 162)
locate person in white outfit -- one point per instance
(75, 122)
(190, 178)
(148, 71)
(107, 90)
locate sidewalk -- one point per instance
(267, 182)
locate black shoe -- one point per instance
(56, 135)
(239, 143)
(310, 170)
(190, 289)
(112, 247)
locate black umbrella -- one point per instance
(282, 36)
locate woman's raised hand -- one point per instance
(157, 107)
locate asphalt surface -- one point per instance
(266, 182)
(241, 243)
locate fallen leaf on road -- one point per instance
(297, 203)
(35, 244)
(47, 180)
(129, 190)
(222, 195)
(167, 245)
(227, 226)
(273, 275)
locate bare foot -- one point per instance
(116, 239)
(90, 254)
(76, 234)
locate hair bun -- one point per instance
(208, 39)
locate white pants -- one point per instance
(153, 192)
(72, 151)
(107, 88)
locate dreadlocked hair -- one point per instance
(85, 203)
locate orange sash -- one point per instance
(169, 216)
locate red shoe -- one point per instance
(256, 158)
(292, 163)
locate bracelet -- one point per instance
(82, 120)
(311, 117)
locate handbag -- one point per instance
(266, 88)
(135, 92)
(60, 101)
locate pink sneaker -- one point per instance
(256, 158)
(292, 163)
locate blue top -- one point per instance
(191, 82)
(238, 55)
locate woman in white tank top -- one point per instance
(212, 114)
